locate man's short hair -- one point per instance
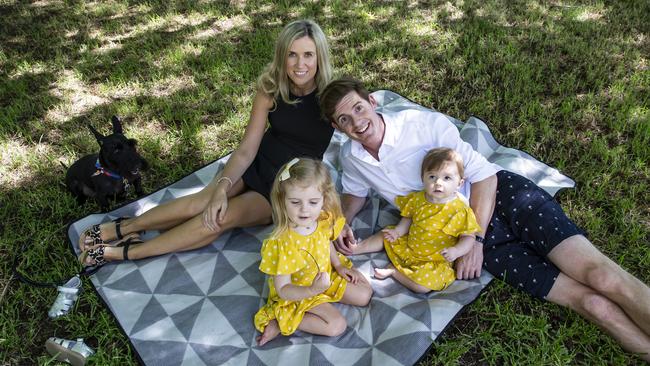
(437, 157)
(335, 91)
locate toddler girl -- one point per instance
(306, 273)
(440, 226)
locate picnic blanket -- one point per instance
(197, 307)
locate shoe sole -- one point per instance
(63, 354)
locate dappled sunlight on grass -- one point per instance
(76, 97)
(19, 161)
(45, 3)
(158, 89)
(25, 68)
(221, 26)
(590, 13)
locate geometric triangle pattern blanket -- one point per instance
(197, 307)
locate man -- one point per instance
(526, 241)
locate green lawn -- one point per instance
(567, 82)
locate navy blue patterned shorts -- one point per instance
(526, 225)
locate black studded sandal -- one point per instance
(95, 233)
(97, 255)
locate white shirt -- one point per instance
(409, 135)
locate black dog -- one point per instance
(109, 173)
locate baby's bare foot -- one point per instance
(271, 331)
(383, 273)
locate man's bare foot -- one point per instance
(383, 273)
(271, 331)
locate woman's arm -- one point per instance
(482, 197)
(245, 153)
(288, 291)
(239, 161)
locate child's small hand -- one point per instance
(450, 254)
(349, 274)
(391, 234)
(321, 283)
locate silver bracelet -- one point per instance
(225, 178)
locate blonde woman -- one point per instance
(238, 196)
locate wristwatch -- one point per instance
(480, 239)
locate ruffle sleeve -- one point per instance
(337, 227)
(280, 256)
(407, 204)
(462, 223)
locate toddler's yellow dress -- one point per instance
(434, 226)
(287, 255)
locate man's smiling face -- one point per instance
(356, 117)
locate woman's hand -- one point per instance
(349, 274)
(215, 211)
(320, 284)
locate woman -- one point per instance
(287, 96)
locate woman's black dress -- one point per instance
(297, 130)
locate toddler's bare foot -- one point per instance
(271, 331)
(383, 273)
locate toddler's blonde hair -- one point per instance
(306, 172)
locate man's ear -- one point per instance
(336, 127)
(372, 101)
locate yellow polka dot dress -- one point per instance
(287, 255)
(434, 226)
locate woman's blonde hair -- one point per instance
(274, 80)
(303, 173)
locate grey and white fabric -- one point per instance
(197, 307)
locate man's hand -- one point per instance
(469, 266)
(346, 242)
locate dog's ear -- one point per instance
(98, 136)
(132, 142)
(117, 125)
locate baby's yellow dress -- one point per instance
(434, 226)
(287, 255)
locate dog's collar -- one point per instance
(103, 171)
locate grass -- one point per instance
(566, 81)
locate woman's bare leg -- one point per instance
(166, 215)
(247, 209)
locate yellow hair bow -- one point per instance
(285, 173)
